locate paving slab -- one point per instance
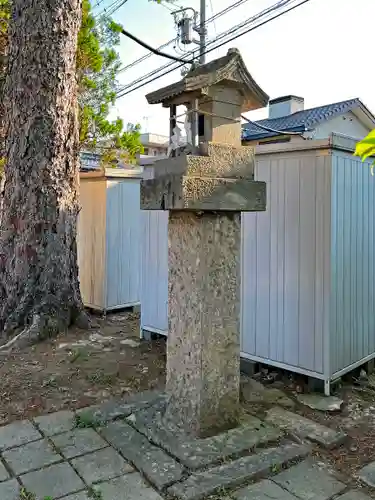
(265, 490)
(10, 490)
(121, 408)
(31, 456)
(78, 442)
(129, 487)
(101, 465)
(305, 428)
(55, 481)
(83, 495)
(18, 433)
(367, 474)
(3, 472)
(353, 495)
(237, 472)
(159, 468)
(55, 423)
(196, 453)
(309, 482)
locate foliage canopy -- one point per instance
(98, 64)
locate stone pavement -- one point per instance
(124, 451)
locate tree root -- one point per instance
(41, 328)
(27, 336)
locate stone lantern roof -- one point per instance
(229, 70)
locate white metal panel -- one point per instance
(347, 124)
(123, 243)
(284, 261)
(353, 247)
(154, 288)
(91, 242)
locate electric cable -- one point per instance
(122, 92)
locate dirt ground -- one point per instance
(80, 368)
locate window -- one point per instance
(145, 151)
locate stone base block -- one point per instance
(194, 452)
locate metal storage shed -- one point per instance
(308, 274)
(108, 240)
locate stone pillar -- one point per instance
(205, 196)
(203, 354)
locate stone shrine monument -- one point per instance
(205, 193)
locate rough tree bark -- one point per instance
(39, 287)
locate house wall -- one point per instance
(346, 124)
(353, 267)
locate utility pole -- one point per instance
(202, 33)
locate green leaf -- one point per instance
(366, 148)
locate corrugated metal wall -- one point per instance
(353, 253)
(285, 277)
(154, 290)
(123, 258)
(308, 272)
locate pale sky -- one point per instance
(322, 51)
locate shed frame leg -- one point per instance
(327, 387)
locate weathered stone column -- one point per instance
(205, 196)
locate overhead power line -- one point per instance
(151, 49)
(263, 13)
(209, 20)
(216, 46)
(111, 9)
(141, 59)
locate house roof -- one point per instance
(229, 67)
(301, 120)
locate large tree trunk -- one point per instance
(39, 288)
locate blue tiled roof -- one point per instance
(89, 161)
(298, 122)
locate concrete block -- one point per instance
(78, 442)
(18, 433)
(55, 481)
(31, 456)
(101, 466)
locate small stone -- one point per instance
(306, 480)
(130, 487)
(54, 481)
(17, 434)
(158, 467)
(265, 490)
(363, 375)
(78, 442)
(235, 473)
(367, 474)
(101, 466)
(31, 456)
(10, 490)
(305, 428)
(130, 343)
(320, 402)
(55, 423)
